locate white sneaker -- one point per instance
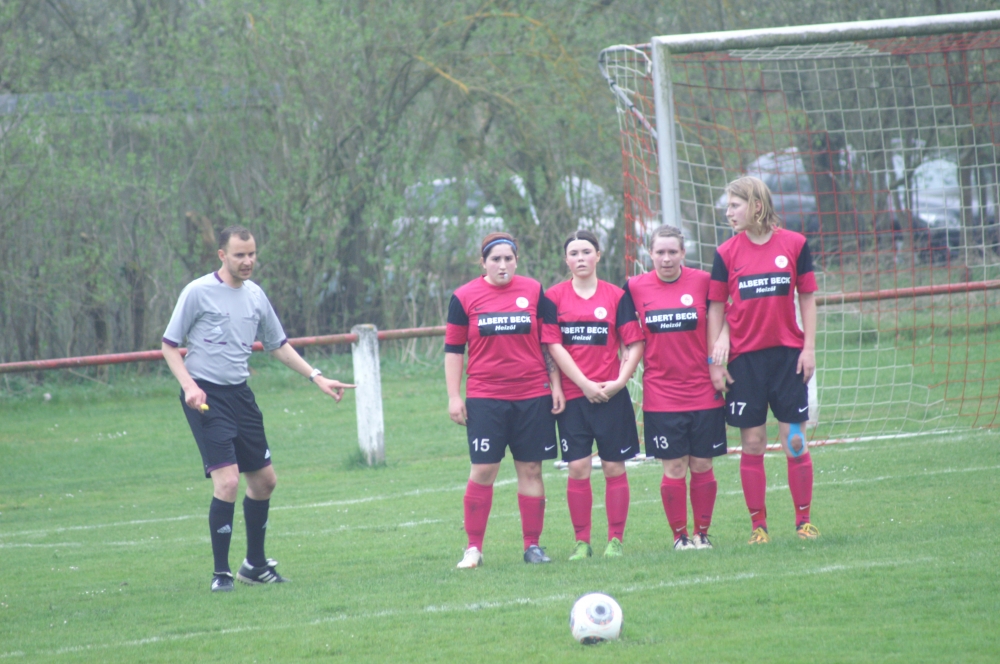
(682, 543)
(472, 559)
(701, 541)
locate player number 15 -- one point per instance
(481, 445)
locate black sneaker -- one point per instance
(535, 554)
(266, 573)
(222, 582)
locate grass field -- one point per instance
(106, 556)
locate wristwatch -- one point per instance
(314, 373)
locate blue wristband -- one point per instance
(710, 361)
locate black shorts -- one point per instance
(527, 427)
(612, 424)
(231, 431)
(697, 433)
(766, 377)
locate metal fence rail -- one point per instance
(155, 355)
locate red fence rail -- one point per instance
(416, 332)
(155, 355)
(903, 293)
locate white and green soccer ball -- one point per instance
(595, 618)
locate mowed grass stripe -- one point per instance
(552, 503)
(475, 606)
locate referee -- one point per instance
(220, 315)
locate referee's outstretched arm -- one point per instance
(291, 359)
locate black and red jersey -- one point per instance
(673, 319)
(761, 279)
(503, 327)
(590, 329)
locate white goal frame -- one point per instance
(922, 279)
(665, 47)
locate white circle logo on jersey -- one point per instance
(687, 300)
(781, 262)
(522, 302)
(601, 313)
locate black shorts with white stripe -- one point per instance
(698, 433)
(611, 424)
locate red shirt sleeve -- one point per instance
(806, 280)
(806, 283)
(629, 329)
(551, 334)
(718, 289)
(456, 333)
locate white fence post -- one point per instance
(368, 397)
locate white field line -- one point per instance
(328, 503)
(597, 507)
(952, 440)
(776, 447)
(835, 483)
(410, 524)
(483, 605)
(370, 499)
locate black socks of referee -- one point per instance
(220, 523)
(255, 515)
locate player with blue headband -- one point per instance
(487, 248)
(512, 391)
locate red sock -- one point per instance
(478, 502)
(616, 498)
(800, 483)
(703, 491)
(674, 495)
(581, 501)
(532, 517)
(754, 488)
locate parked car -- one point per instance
(935, 206)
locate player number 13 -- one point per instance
(660, 442)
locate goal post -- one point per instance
(880, 141)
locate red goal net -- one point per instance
(880, 142)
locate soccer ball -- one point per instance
(594, 618)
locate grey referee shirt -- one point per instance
(220, 324)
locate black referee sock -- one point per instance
(255, 515)
(220, 524)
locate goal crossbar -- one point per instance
(826, 33)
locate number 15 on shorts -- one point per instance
(481, 445)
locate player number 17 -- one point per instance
(741, 404)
